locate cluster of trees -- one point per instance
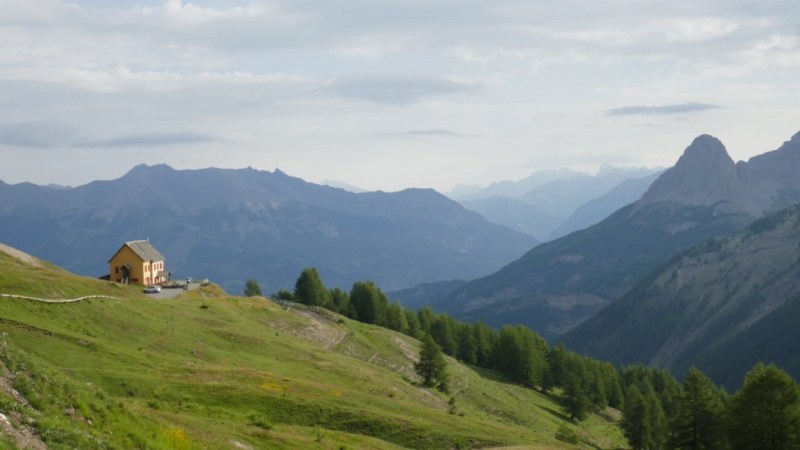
(658, 411)
(516, 351)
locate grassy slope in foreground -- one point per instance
(210, 371)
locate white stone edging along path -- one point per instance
(57, 300)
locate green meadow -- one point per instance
(209, 370)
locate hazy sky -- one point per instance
(389, 94)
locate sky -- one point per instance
(389, 95)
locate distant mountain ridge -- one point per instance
(594, 211)
(514, 189)
(515, 214)
(559, 284)
(231, 225)
(548, 200)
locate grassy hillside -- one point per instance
(210, 371)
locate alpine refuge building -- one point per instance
(137, 262)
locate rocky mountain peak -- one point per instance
(705, 152)
(704, 175)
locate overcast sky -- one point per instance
(389, 94)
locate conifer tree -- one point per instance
(765, 413)
(340, 302)
(414, 328)
(659, 426)
(426, 318)
(597, 386)
(555, 375)
(395, 318)
(432, 366)
(634, 422)
(576, 388)
(310, 290)
(442, 333)
(698, 424)
(368, 301)
(644, 423)
(520, 353)
(485, 338)
(467, 347)
(611, 382)
(251, 288)
(283, 294)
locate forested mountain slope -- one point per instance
(707, 305)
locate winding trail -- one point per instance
(57, 300)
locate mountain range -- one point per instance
(551, 203)
(559, 284)
(232, 225)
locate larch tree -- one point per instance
(368, 301)
(432, 366)
(765, 413)
(251, 288)
(699, 421)
(644, 423)
(310, 290)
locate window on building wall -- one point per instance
(116, 269)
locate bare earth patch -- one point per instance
(321, 330)
(22, 256)
(318, 329)
(11, 423)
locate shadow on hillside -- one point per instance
(557, 414)
(490, 374)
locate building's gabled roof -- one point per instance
(143, 250)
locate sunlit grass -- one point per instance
(210, 371)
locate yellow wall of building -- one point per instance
(142, 272)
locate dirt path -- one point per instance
(320, 330)
(410, 352)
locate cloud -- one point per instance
(192, 13)
(680, 108)
(281, 77)
(700, 30)
(394, 89)
(57, 134)
(419, 134)
(152, 139)
(36, 134)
